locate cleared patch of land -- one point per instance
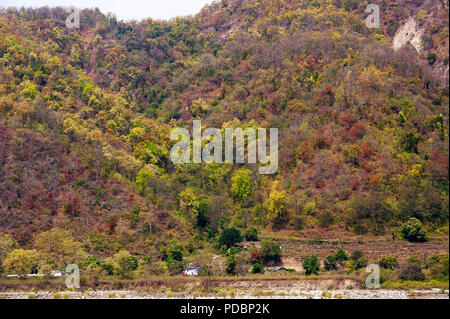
(374, 248)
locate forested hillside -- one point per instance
(86, 115)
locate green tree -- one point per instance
(30, 90)
(242, 185)
(108, 268)
(257, 269)
(231, 265)
(341, 256)
(200, 211)
(420, 17)
(444, 267)
(124, 264)
(330, 263)
(144, 176)
(388, 262)
(189, 199)
(197, 206)
(311, 265)
(270, 251)
(230, 237)
(410, 142)
(251, 234)
(362, 262)
(431, 58)
(175, 254)
(413, 231)
(89, 261)
(215, 174)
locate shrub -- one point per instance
(362, 262)
(410, 142)
(175, 267)
(231, 265)
(234, 250)
(251, 234)
(163, 253)
(206, 270)
(341, 256)
(89, 261)
(158, 268)
(389, 262)
(258, 269)
(444, 267)
(255, 257)
(439, 267)
(270, 251)
(412, 270)
(242, 265)
(124, 264)
(387, 275)
(190, 248)
(330, 263)
(108, 268)
(175, 254)
(357, 254)
(432, 261)
(311, 265)
(230, 237)
(132, 262)
(350, 266)
(413, 231)
(30, 90)
(431, 58)
(413, 260)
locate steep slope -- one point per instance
(85, 118)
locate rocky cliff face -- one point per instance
(426, 33)
(409, 32)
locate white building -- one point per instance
(192, 271)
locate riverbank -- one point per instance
(236, 294)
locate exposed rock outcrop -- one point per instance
(409, 32)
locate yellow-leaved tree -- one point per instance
(276, 204)
(58, 248)
(21, 262)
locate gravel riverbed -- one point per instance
(288, 294)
